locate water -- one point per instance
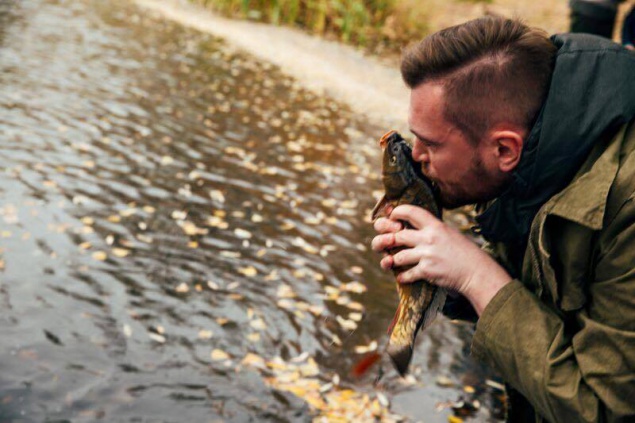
(179, 229)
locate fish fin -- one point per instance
(362, 366)
(381, 204)
(438, 300)
(394, 320)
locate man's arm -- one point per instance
(582, 375)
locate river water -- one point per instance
(184, 236)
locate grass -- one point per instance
(372, 24)
(383, 27)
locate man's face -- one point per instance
(465, 172)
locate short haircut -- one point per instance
(493, 69)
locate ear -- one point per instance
(508, 145)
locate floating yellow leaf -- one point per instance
(242, 233)
(205, 334)
(254, 337)
(217, 195)
(156, 337)
(182, 288)
(218, 355)
(357, 270)
(88, 220)
(355, 287)
(114, 218)
(120, 252)
(354, 305)
(253, 360)
(191, 229)
(258, 324)
(356, 317)
(248, 271)
(100, 255)
(363, 349)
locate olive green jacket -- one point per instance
(563, 335)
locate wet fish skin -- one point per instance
(419, 301)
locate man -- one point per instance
(594, 16)
(537, 132)
(599, 16)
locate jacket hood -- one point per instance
(592, 94)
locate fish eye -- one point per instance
(393, 159)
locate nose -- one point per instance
(420, 152)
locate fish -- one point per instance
(420, 301)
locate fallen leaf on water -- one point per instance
(254, 337)
(253, 360)
(445, 382)
(88, 220)
(156, 337)
(357, 270)
(127, 330)
(222, 321)
(258, 324)
(230, 254)
(182, 288)
(361, 367)
(363, 349)
(213, 285)
(120, 252)
(218, 355)
(248, 271)
(217, 195)
(100, 255)
(191, 229)
(242, 233)
(345, 323)
(205, 334)
(355, 287)
(354, 305)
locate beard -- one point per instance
(476, 185)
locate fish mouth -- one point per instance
(383, 141)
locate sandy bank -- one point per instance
(363, 83)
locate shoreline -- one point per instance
(363, 83)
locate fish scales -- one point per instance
(419, 301)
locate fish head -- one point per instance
(396, 166)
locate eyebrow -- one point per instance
(422, 138)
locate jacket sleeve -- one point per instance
(581, 375)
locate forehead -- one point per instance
(426, 115)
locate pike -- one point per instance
(419, 302)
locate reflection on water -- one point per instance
(174, 212)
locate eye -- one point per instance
(393, 159)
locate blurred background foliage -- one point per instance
(375, 25)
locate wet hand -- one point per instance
(439, 254)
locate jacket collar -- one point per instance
(584, 200)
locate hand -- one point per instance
(439, 254)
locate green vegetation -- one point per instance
(376, 25)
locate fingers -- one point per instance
(385, 225)
(416, 216)
(403, 238)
